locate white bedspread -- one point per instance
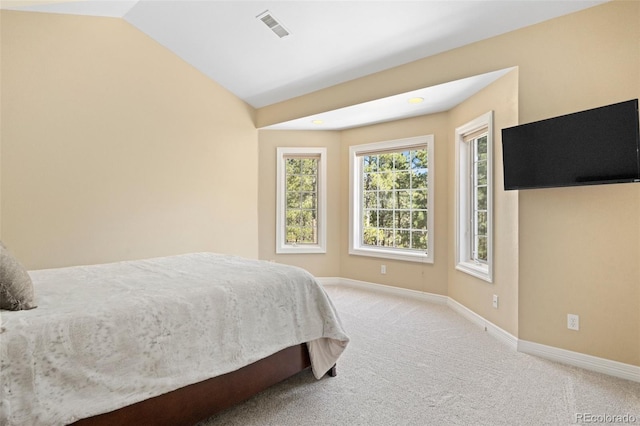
(106, 336)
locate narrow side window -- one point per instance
(474, 197)
(301, 200)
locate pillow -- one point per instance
(16, 288)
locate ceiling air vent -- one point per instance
(271, 22)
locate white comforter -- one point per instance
(106, 336)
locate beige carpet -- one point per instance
(417, 363)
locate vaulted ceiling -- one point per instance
(328, 42)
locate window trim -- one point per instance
(281, 246)
(355, 194)
(463, 244)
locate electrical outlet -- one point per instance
(383, 269)
(495, 301)
(573, 322)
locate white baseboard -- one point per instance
(381, 288)
(576, 359)
(495, 331)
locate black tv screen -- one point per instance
(596, 146)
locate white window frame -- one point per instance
(281, 246)
(355, 201)
(463, 245)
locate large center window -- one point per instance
(392, 199)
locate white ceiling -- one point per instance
(438, 98)
(330, 42)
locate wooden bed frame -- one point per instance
(199, 401)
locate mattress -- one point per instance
(106, 336)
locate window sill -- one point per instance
(409, 256)
(477, 270)
(301, 250)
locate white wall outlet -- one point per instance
(383, 269)
(573, 322)
(495, 301)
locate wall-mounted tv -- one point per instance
(596, 146)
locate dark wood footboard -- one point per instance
(188, 405)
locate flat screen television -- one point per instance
(596, 146)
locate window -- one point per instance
(301, 200)
(474, 197)
(391, 199)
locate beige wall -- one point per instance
(579, 248)
(501, 97)
(325, 264)
(114, 148)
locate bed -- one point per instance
(167, 340)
